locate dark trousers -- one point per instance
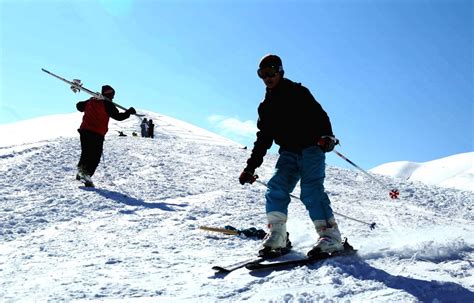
(92, 145)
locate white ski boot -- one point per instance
(329, 241)
(276, 243)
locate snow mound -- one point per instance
(33, 131)
(455, 171)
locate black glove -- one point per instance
(131, 111)
(247, 177)
(327, 143)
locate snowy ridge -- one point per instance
(66, 125)
(454, 171)
(135, 237)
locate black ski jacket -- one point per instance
(290, 116)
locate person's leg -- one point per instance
(313, 195)
(277, 197)
(82, 159)
(317, 201)
(91, 151)
(96, 149)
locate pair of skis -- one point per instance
(258, 263)
(76, 86)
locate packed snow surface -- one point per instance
(135, 237)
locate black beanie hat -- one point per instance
(107, 90)
(271, 61)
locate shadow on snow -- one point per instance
(424, 291)
(125, 199)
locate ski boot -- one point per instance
(83, 175)
(276, 242)
(269, 252)
(329, 241)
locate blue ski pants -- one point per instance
(309, 167)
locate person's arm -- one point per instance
(81, 106)
(316, 110)
(114, 113)
(263, 142)
(326, 141)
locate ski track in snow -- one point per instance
(135, 236)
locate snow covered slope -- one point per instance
(454, 172)
(66, 125)
(135, 237)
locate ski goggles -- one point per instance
(268, 72)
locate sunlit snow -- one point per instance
(135, 237)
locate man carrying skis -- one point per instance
(92, 131)
(290, 116)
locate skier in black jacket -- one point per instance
(290, 116)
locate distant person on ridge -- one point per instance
(144, 127)
(290, 116)
(92, 131)
(151, 129)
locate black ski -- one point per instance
(230, 268)
(348, 250)
(264, 255)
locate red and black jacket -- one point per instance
(97, 113)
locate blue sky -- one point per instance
(396, 77)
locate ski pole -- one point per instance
(392, 192)
(371, 225)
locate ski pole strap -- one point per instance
(394, 193)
